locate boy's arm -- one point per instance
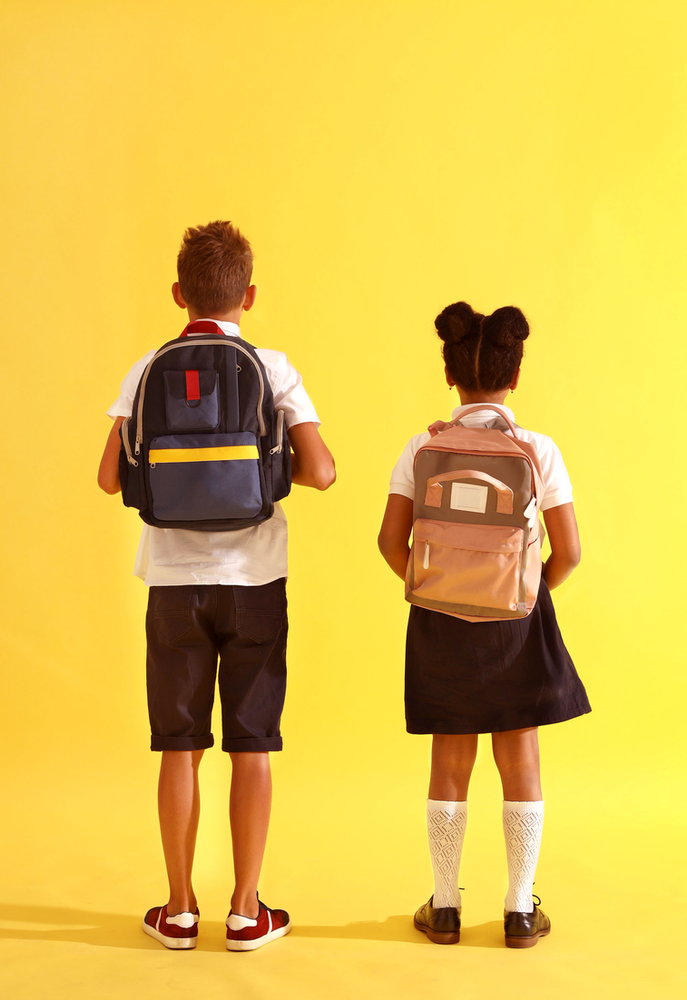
(311, 460)
(395, 532)
(564, 539)
(108, 473)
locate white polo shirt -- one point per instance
(253, 556)
(557, 486)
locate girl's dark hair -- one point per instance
(482, 352)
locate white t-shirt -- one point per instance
(253, 556)
(557, 486)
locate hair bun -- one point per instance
(507, 327)
(456, 322)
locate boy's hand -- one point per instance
(108, 473)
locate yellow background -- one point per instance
(385, 159)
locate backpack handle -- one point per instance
(485, 406)
(504, 494)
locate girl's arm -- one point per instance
(565, 544)
(395, 532)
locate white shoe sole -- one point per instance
(259, 942)
(175, 944)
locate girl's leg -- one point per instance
(517, 757)
(249, 813)
(179, 811)
(453, 758)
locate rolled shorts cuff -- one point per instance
(253, 744)
(181, 742)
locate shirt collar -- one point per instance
(228, 329)
(479, 416)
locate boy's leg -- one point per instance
(252, 630)
(179, 811)
(181, 671)
(249, 813)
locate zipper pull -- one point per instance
(530, 511)
(280, 435)
(425, 561)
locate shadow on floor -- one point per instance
(400, 928)
(103, 930)
(111, 930)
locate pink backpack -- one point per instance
(476, 551)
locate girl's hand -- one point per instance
(438, 425)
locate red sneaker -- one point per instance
(180, 931)
(246, 934)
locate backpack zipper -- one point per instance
(277, 450)
(125, 441)
(202, 343)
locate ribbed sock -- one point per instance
(522, 828)
(446, 823)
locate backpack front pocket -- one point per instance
(192, 400)
(205, 477)
(476, 565)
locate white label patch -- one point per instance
(467, 497)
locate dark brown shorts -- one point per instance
(186, 628)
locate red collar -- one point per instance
(202, 326)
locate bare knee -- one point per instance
(180, 760)
(516, 754)
(453, 758)
(250, 762)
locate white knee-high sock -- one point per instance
(446, 830)
(522, 827)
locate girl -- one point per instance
(501, 677)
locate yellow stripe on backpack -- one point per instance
(228, 453)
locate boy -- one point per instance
(218, 592)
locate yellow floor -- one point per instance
(351, 865)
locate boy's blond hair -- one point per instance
(214, 265)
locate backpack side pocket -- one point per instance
(280, 455)
(129, 474)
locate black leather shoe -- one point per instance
(523, 930)
(441, 924)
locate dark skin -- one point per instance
(516, 752)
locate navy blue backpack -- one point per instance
(204, 447)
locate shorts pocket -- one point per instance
(196, 477)
(169, 609)
(260, 611)
(467, 564)
(195, 408)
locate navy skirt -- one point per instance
(489, 677)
